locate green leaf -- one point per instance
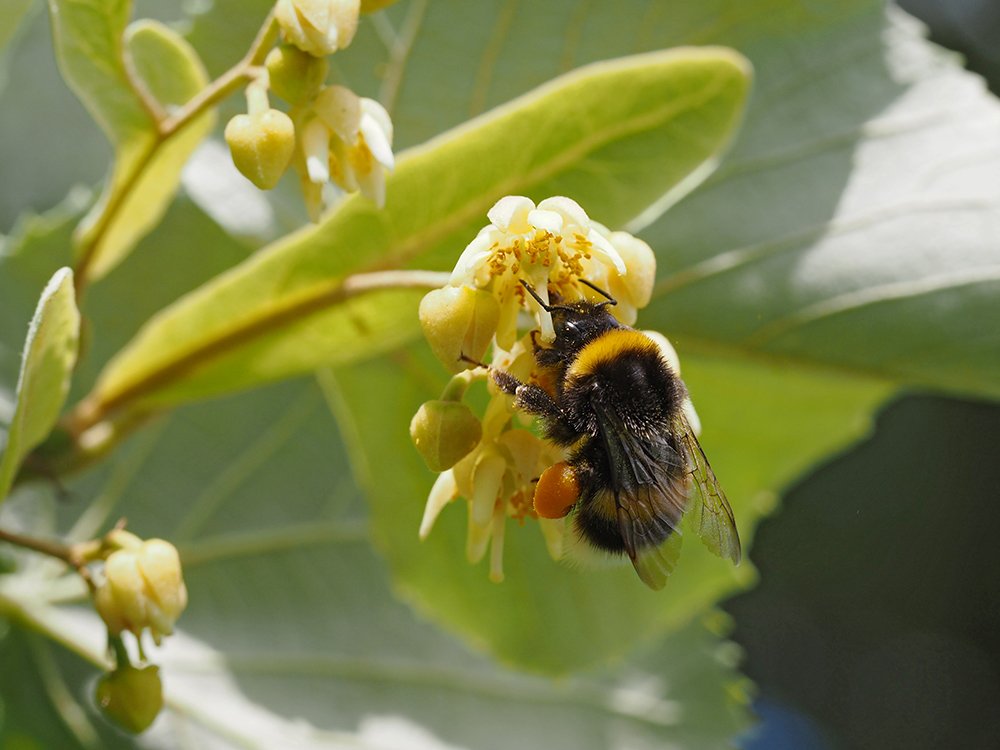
(617, 136)
(859, 237)
(763, 425)
(293, 631)
(88, 41)
(40, 690)
(106, 65)
(46, 366)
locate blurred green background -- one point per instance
(876, 622)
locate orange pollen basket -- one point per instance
(556, 492)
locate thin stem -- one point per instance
(167, 127)
(228, 82)
(45, 546)
(74, 555)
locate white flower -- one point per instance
(319, 27)
(551, 246)
(345, 139)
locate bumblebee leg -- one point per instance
(506, 382)
(527, 397)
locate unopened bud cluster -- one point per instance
(495, 461)
(330, 135)
(139, 589)
(142, 588)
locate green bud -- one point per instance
(131, 698)
(459, 321)
(262, 146)
(294, 75)
(444, 432)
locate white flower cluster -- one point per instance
(330, 135)
(554, 247)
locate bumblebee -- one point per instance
(635, 466)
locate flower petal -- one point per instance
(496, 546)
(376, 126)
(510, 213)
(477, 540)
(568, 208)
(472, 257)
(316, 148)
(487, 477)
(340, 109)
(443, 492)
(551, 221)
(604, 249)
(372, 185)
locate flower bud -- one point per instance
(142, 588)
(294, 75)
(633, 290)
(262, 146)
(319, 27)
(444, 432)
(459, 321)
(130, 697)
(641, 263)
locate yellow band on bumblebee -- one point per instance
(609, 346)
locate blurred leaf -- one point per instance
(47, 364)
(88, 39)
(92, 46)
(41, 693)
(39, 110)
(861, 205)
(12, 14)
(616, 136)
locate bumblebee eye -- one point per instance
(557, 491)
(569, 327)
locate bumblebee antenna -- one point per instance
(533, 293)
(611, 300)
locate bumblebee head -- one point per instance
(578, 322)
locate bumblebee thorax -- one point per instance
(579, 323)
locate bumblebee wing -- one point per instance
(649, 490)
(654, 560)
(709, 509)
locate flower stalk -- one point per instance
(167, 126)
